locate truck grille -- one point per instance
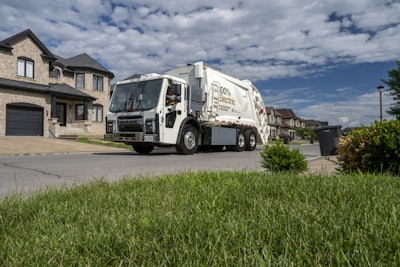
(130, 124)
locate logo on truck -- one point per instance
(225, 95)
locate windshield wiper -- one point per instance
(122, 107)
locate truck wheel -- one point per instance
(189, 140)
(143, 148)
(250, 139)
(240, 142)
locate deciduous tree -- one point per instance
(393, 87)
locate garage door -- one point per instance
(24, 119)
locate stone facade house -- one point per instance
(314, 124)
(283, 122)
(290, 122)
(274, 122)
(42, 94)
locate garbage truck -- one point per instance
(191, 108)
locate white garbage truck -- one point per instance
(191, 108)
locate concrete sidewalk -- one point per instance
(28, 145)
(323, 165)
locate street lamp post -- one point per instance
(380, 88)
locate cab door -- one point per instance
(173, 112)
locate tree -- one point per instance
(306, 133)
(393, 87)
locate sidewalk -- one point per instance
(323, 165)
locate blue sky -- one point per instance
(323, 59)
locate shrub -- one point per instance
(373, 149)
(279, 158)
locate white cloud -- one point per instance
(255, 39)
(274, 38)
(355, 111)
(343, 120)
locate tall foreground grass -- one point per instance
(208, 219)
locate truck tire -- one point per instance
(188, 141)
(240, 142)
(250, 140)
(143, 148)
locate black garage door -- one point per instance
(24, 119)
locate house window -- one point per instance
(97, 83)
(25, 67)
(56, 73)
(79, 112)
(80, 81)
(97, 113)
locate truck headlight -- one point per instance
(150, 126)
(110, 127)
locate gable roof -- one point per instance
(82, 62)
(79, 62)
(7, 44)
(271, 110)
(287, 113)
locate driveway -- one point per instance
(23, 145)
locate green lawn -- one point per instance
(208, 219)
(103, 143)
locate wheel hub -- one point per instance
(189, 140)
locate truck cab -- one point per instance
(147, 112)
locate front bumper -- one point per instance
(131, 137)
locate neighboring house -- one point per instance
(290, 122)
(274, 122)
(42, 94)
(313, 124)
(285, 122)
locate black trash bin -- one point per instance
(286, 139)
(329, 137)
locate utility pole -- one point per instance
(380, 88)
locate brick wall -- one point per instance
(25, 48)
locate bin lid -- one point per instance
(329, 127)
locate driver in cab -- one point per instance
(170, 97)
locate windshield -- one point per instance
(136, 96)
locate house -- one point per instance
(42, 94)
(290, 122)
(285, 122)
(314, 124)
(274, 122)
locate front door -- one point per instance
(62, 113)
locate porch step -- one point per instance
(70, 133)
(68, 136)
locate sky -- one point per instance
(322, 59)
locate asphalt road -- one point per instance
(25, 174)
